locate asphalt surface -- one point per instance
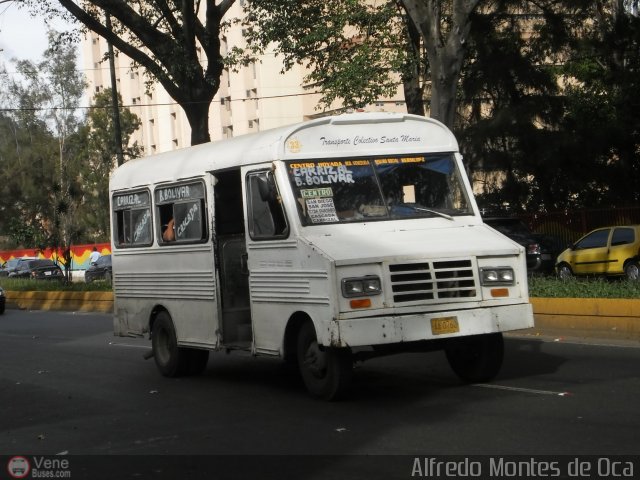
(69, 387)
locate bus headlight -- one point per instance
(357, 287)
(497, 276)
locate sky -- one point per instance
(22, 36)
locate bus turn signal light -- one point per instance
(360, 303)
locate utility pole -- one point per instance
(114, 98)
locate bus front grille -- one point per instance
(432, 281)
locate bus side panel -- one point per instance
(285, 279)
(183, 285)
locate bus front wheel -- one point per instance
(477, 358)
(326, 372)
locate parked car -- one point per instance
(3, 300)
(611, 251)
(541, 250)
(11, 265)
(100, 270)
(39, 269)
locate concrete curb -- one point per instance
(606, 318)
(72, 301)
(603, 317)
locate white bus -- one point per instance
(322, 243)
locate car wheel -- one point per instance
(2, 306)
(632, 270)
(565, 272)
(171, 360)
(107, 277)
(477, 358)
(326, 372)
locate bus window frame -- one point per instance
(115, 211)
(159, 206)
(286, 231)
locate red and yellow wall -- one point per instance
(79, 254)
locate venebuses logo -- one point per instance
(18, 467)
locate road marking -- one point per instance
(116, 344)
(518, 389)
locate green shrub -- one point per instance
(23, 285)
(583, 288)
(538, 287)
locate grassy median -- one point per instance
(26, 285)
(583, 287)
(538, 287)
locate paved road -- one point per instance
(68, 386)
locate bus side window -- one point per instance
(267, 219)
(132, 219)
(181, 213)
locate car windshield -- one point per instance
(104, 260)
(389, 188)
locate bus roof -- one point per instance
(353, 135)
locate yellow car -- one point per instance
(605, 251)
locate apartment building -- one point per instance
(257, 97)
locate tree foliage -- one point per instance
(54, 180)
(166, 38)
(354, 51)
(98, 136)
(565, 133)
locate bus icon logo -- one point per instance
(18, 467)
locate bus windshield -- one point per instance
(389, 188)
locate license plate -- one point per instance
(442, 325)
(47, 273)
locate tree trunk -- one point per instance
(444, 41)
(198, 116)
(413, 91)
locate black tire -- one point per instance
(632, 270)
(2, 307)
(326, 372)
(171, 360)
(107, 277)
(477, 358)
(564, 272)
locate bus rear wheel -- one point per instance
(326, 372)
(171, 360)
(477, 358)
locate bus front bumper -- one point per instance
(429, 326)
